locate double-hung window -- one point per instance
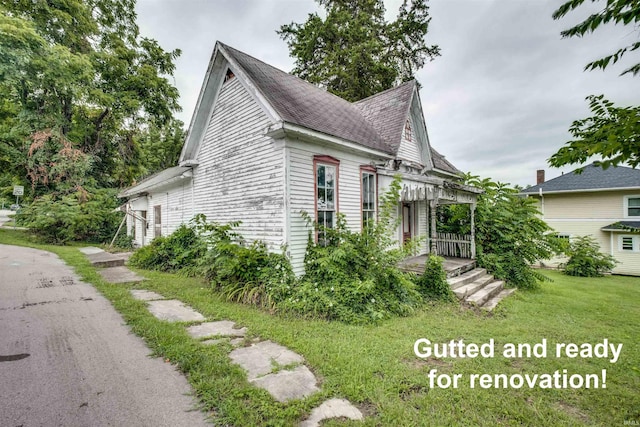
(326, 174)
(368, 195)
(632, 207)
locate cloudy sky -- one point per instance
(499, 100)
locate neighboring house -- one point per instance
(603, 203)
(264, 145)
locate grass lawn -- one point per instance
(375, 366)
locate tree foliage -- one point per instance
(80, 72)
(510, 236)
(354, 52)
(625, 12)
(612, 133)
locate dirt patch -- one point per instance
(573, 411)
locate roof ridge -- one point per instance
(385, 91)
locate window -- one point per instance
(632, 206)
(368, 192)
(326, 174)
(157, 221)
(630, 243)
(408, 133)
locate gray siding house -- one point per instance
(264, 145)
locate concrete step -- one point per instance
(105, 259)
(468, 277)
(493, 302)
(480, 297)
(470, 288)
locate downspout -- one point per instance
(541, 202)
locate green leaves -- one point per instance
(586, 260)
(612, 133)
(354, 52)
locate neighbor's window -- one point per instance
(632, 206)
(326, 171)
(630, 243)
(368, 191)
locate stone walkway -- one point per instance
(268, 365)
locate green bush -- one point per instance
(510, 236)
(88, 216)
(586, 260)
(353, 277)
(180, 250)
(433, 283)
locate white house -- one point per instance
(264, 145)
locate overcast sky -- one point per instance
(497, 103)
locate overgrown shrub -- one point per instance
(181, 249)
(353, 276)
(433, 283)
(586, 260)
(89, 216)
(510, 236)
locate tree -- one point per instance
(612, 133)
(510, 236)
(354, 52)
(79, 72)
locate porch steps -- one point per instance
(479, 289)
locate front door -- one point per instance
(406, 222)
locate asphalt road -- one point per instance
(68, 359)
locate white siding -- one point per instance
(240, 171)
(409, 149)
(302, 196)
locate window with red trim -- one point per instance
(326, 189)
(368, 196)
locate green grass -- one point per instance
(375, 367)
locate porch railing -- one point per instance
(454, 245)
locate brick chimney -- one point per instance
(540, 176)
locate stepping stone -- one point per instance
(91, 250)
(333, 408)
(222, 328)
(119, 275)
(236, 342)
(174, 311)
(288, 385)
(144, 295)
(258, 359)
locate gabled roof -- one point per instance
(387, 111)
(592, 178)
(301, 103)
(440, 162)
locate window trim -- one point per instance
(635, 243)
(373, 171)
(626, 206)
(325, 160)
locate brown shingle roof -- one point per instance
(387, 111)
(440, 162)
(301, 103)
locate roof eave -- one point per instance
(582, 190)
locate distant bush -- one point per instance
(433, 283)
(586, 260)
(181, 249)
(87, 215)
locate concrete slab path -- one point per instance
(221, 328)
(333, 408)
(144, 295)
(174, 311)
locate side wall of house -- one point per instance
(240, 176)
(302, 192)
(582, 214)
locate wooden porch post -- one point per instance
(432, 230)
(473, 231)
